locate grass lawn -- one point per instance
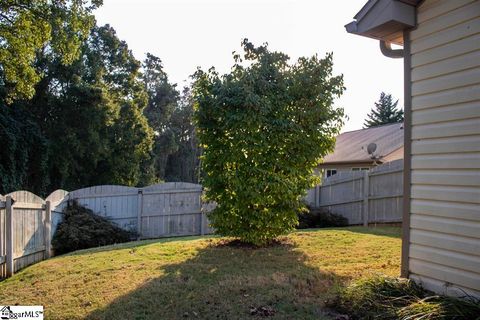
(203, 278)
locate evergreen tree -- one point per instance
(385, 112)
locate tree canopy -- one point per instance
(98, 116)
(57, 28)
(88, 117)
(263, 128)
(170, 114)
(384, 112)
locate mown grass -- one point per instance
(205, 278)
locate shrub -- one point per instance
(263, 129)
(320, 218)
(82, 229)
(384, 298)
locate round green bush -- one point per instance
(263, 129)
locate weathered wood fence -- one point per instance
(25, 229)
(161, 210)
(27, 222)
(364, 197)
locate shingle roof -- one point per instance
(352, 146)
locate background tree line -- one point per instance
(78, 109)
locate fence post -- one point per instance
(139, 212)
(366, 191)
(202, 216)
(318, 189)
(9, 235)
(48, 229)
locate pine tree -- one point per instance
(385, 112)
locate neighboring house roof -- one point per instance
(352, 146)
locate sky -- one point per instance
(187, 34)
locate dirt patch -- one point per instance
(236, 243)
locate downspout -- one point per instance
(386, 48)
(407, 157)
(387, 51)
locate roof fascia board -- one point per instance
(378, 14)
(365, 9)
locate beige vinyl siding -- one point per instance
(444, 253)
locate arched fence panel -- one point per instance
(161, 210)
(58, 200)
(25, 231)
(171, 209)
(118, 204)
(28, 223)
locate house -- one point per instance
(351, 153)
(441, 54)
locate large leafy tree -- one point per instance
(95, 116)
(162, 101)
(90, 117)
(170, 114)
(183, 164)
(56, 27)
(130, 136)
(384, 112)
(23, 160)
(263, 128)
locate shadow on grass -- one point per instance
(223, 282)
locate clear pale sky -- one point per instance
(190, 33)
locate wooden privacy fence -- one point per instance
(27, 222)
(25, 229)
(161, 210)
(363, 197)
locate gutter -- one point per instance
(387, 50)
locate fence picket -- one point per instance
(366, 194)
(48, 227)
